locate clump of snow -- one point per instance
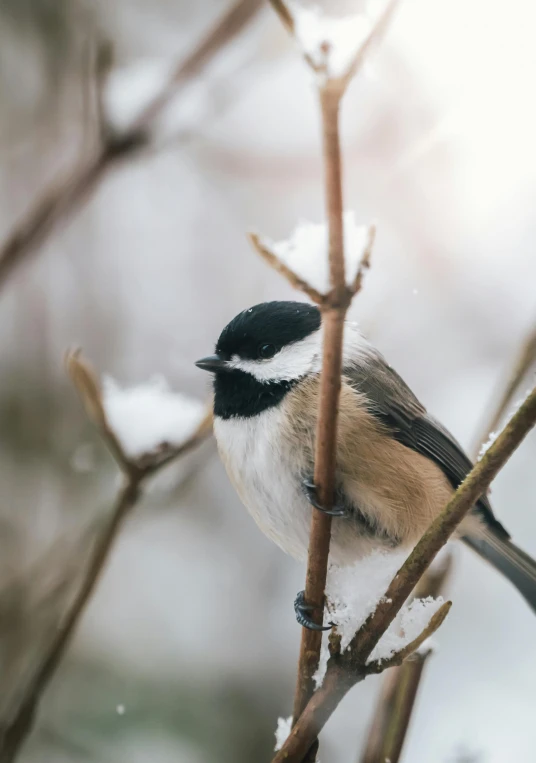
(284, 726)
(407, 625)
(306, 251)
(354, 592)
(330, 42)
(149, 416)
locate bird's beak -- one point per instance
(213, 363)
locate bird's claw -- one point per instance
(312, 496)
(301, 609)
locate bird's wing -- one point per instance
(394, 404)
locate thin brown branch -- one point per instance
(436, 579)
(474, 485)
(338, 678)
(374, 37)
(89, 389)
(524, 361)
(136, 472)
(284, 14)
(226, 29)
(63, 198)
(364, 265)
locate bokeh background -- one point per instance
(188, 651)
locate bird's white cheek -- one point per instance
(291, 362)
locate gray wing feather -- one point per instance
(394, 404)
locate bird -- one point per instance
(396, 465)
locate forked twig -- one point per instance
(66, 195)
(294, 280)
(135, 471)
(397, 659)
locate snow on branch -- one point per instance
(150, 418)
(303, 257)
(144, 426)
(353, 593)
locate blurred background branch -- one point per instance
(66, 195)
(136, 472)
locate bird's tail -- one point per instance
(517, 566)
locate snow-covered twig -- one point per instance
(302, 259)
(346, 669)
(378, 666)
(278, 265)
(69, 193)
(139, 455)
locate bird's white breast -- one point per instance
(267, 476)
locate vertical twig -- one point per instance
(333, 317)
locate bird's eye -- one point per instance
(266, 351)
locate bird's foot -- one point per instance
(310, 489)
(301, 609)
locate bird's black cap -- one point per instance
(274, 323)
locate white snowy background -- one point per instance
(188, 651)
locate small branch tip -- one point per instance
(263, 249)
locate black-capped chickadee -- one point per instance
(396, 465)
